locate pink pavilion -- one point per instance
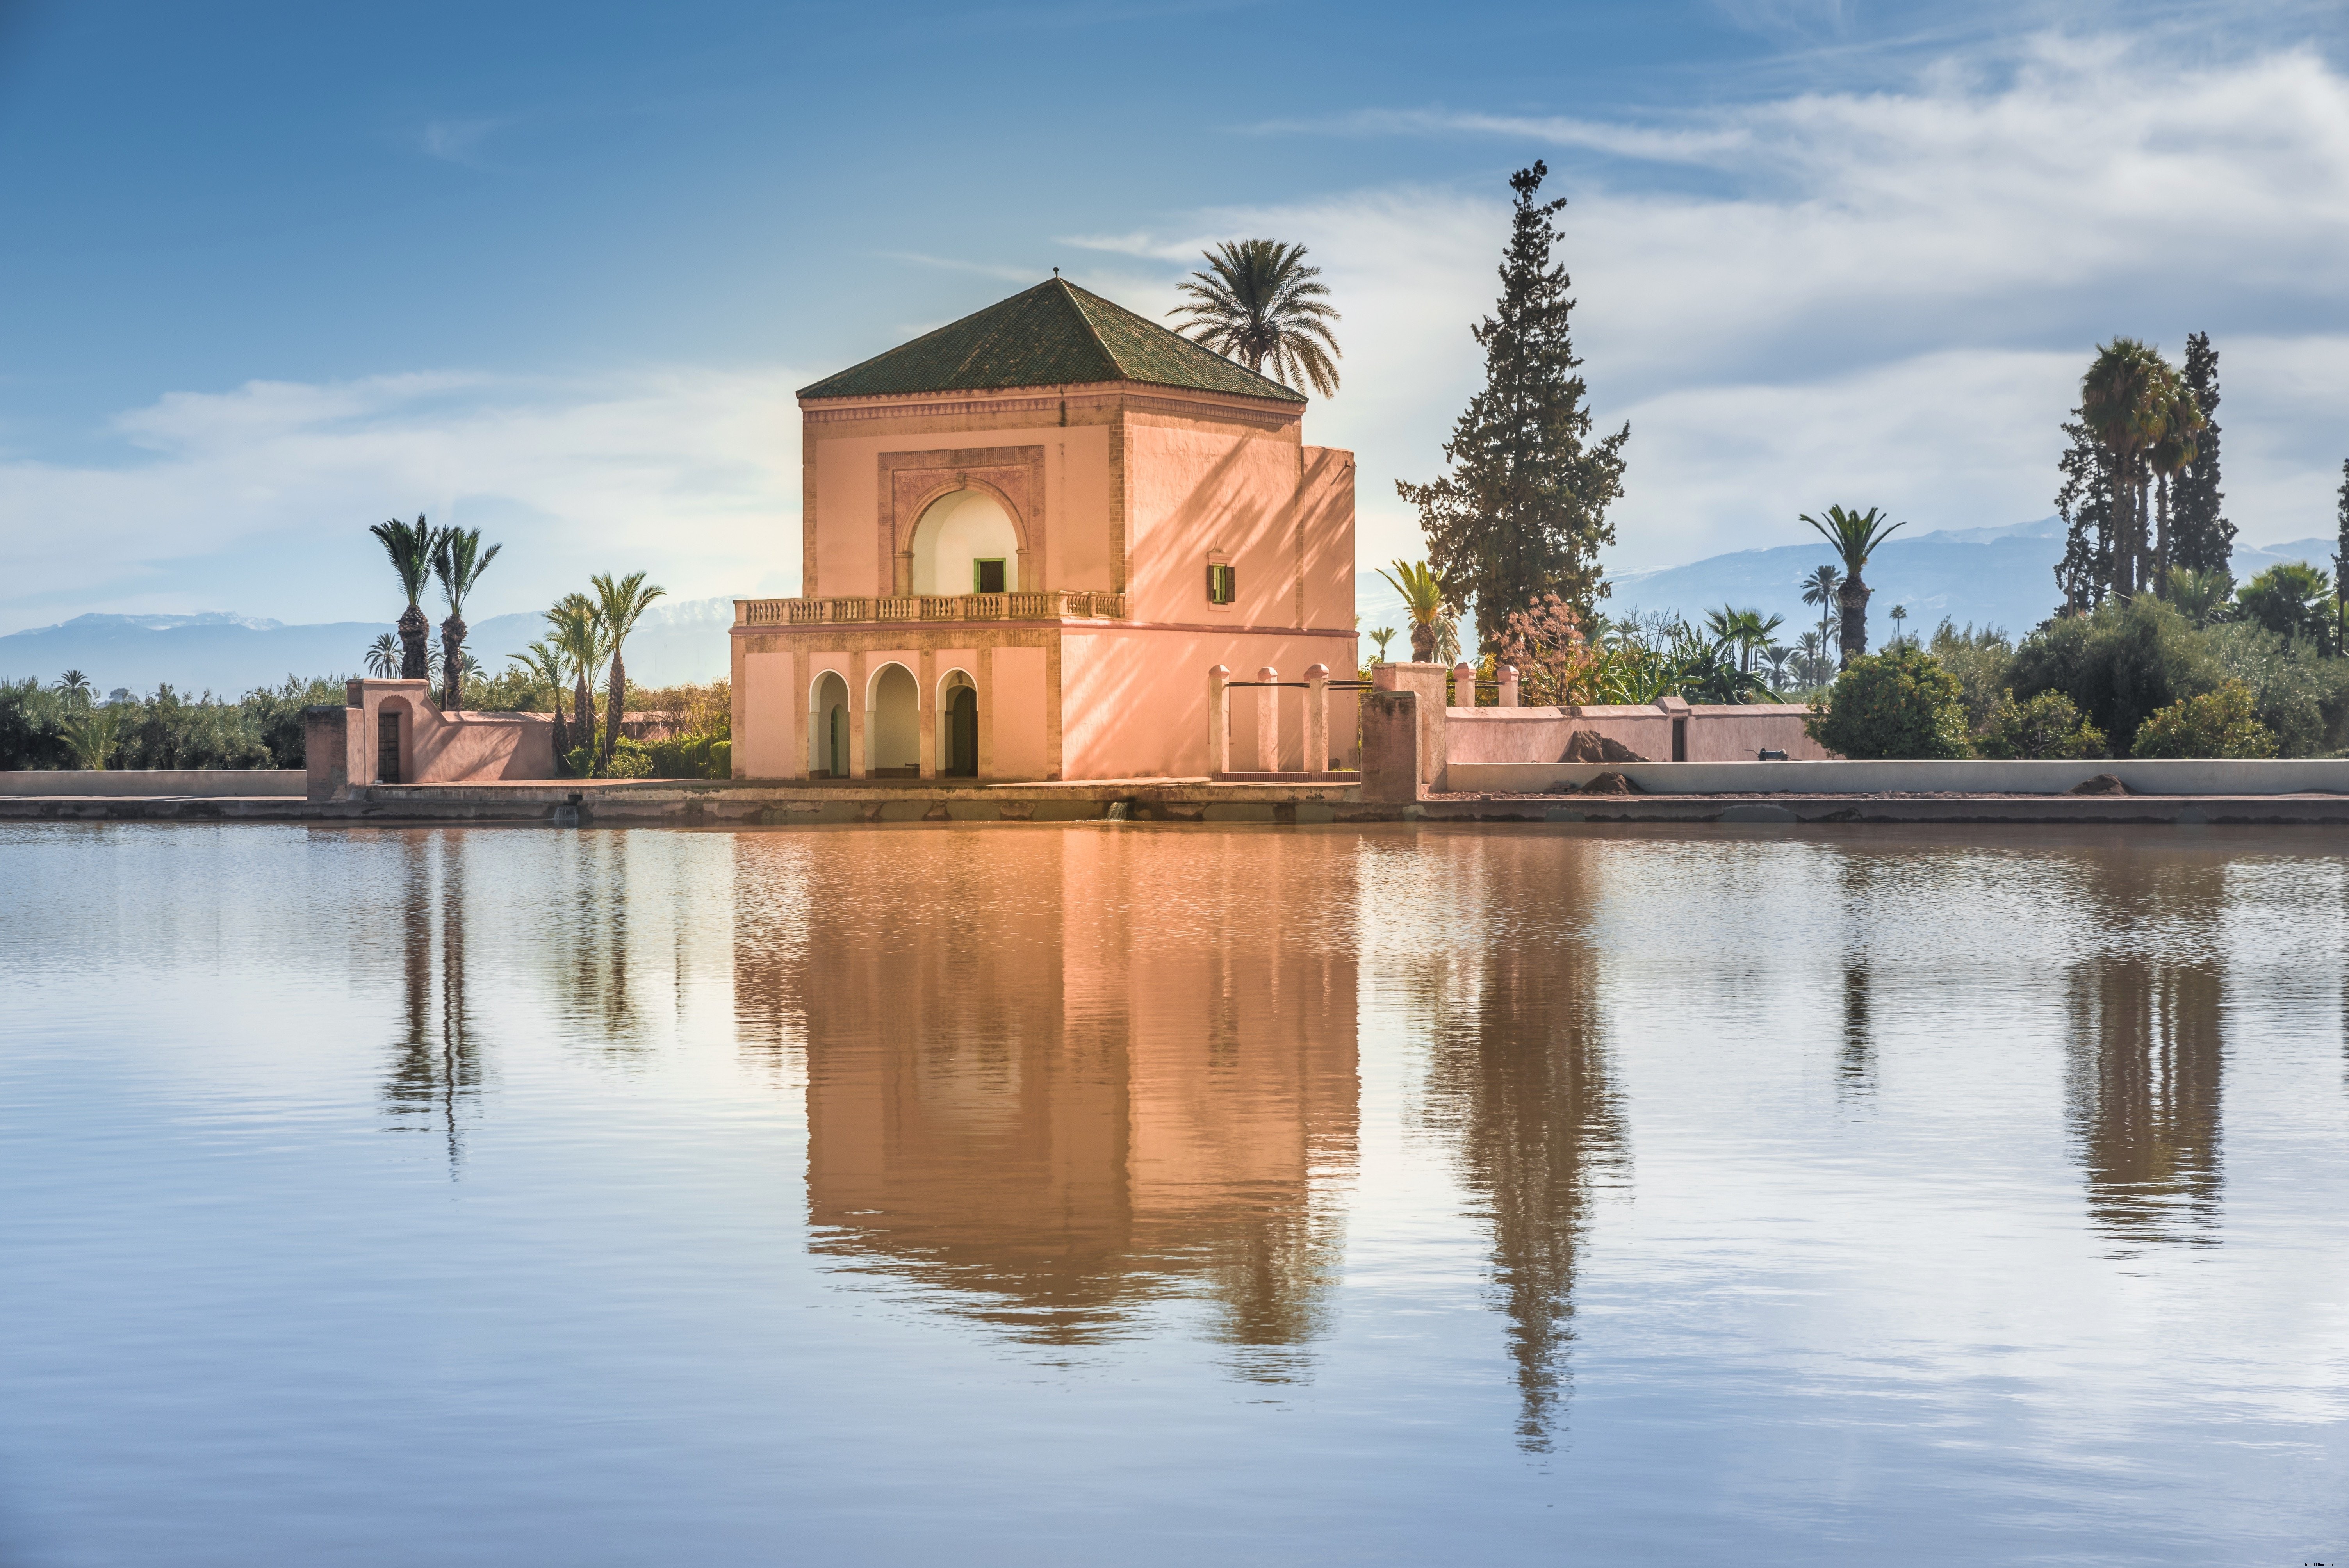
(1026, 539)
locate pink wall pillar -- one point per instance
(1219, 719)
(1317, 717)
(1268, 720)
(1463, 686)
(1507, 675)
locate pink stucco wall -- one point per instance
(1134, 703)
(1715, 733)
(437, 747)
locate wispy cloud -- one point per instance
(459, 140)
(1661, 146)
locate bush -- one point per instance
(2292, 599)
(631, 759)
(2048, 725)
(1984, 663)
(2221, 723)
(691, 757)
(2118, 664)
(1900, 703)
(262, 729)
(2297, 690)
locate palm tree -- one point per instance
(383, 656)
(618, 604)
(1855, 535)
(577, 632)
(1820, 589)
(91, 734)
(411, 550)
(1744, 629)
(542, 662)
(458, 563)
(2122, 400)
(1260, 304)
(2197, 594)
(1900, 614)
(2182, 421)
(1423, 601)
(1382, 635)
(75, 686)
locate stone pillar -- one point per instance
(925, 715)
(1267, 721)
(860, 722)
(1463, 686)
(1425, 682)
(1391, 765)
(1219, 719)
(1506, 677)
(325, 750)
(1317, 718)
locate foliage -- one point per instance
(1260, 304)
(2218, 723)
(2202, 539)
(1382, 636)
(624, 756)
(2298, 691)
(619, 602)
(2292, 599)
(691, 757)
(1899, 703)
(1555, 663)
(411, 550)
(2200, 597)
(1981, 660)
(1743, 629)
(458, 564)
(706, 709)
(2047, 726)
(1523, 510)
(2087, 500)
(2117, 662)
(1855, 535)
(2146, 423)
(383, 658)
(41, 729)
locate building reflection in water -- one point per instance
(1519, 1080)
(1045, 1102)
(2147, 1047)
(437, 1065)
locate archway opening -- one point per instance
(894, 725)
(390, 718)
(966, 543)
(828, 728)
(958, 727)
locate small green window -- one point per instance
(1222, 588)
(986, 576)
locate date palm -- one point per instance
(383, 656)
(1382, 635)
(543, 663)
(576, 632)
(1422, 602)
(618, 604)
(1819, 590)
(2123, 399)
(76, 687)
(458, 564)
(1260, 304)
(411, 550)
(1855, 535)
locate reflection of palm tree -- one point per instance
(438, 1064)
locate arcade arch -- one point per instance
(966, 542)
(828, 727)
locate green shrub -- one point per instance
(1983, 661)
(1900, 703)
(2047, 726)
(2298, 690)
(721, 759)
(2118, 664)
(2221, 723)
(2292, 599)
(688, 757)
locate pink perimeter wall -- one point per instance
(1134, 704)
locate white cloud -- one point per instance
(259, 498)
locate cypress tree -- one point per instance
(2204, 539)
(2085, 501)
(2341, 566)
(1523, 511)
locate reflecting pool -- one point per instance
(1112, 1194)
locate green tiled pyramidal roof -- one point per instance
(1053, 335)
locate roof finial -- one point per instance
(1056, 272)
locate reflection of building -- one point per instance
(1518, 1077)
(1047, 1105)
(1026, 537)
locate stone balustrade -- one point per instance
(1045, 604)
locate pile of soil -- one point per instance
(2101, 784)
(1590, 746)
(1610, 783)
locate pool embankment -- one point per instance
(741, 804)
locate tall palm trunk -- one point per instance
(584, 704)
(415, 635)
(1853, 597)
(2161, 544)
(452, 663)
(1423, 642)
(612, 708)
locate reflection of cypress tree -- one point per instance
(1522, 1081)
(2144, 1096)
(1855, 1065)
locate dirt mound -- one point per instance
(2101, 784)
(1610, 783)
(1590, 746)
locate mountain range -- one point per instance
(2001, 577)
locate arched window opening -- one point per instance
(893, 725)
(828, 728)
(966, 543)
(958, 727)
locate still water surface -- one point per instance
(1160, 1196)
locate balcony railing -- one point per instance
(1049, 604)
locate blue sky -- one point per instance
(278, 271)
